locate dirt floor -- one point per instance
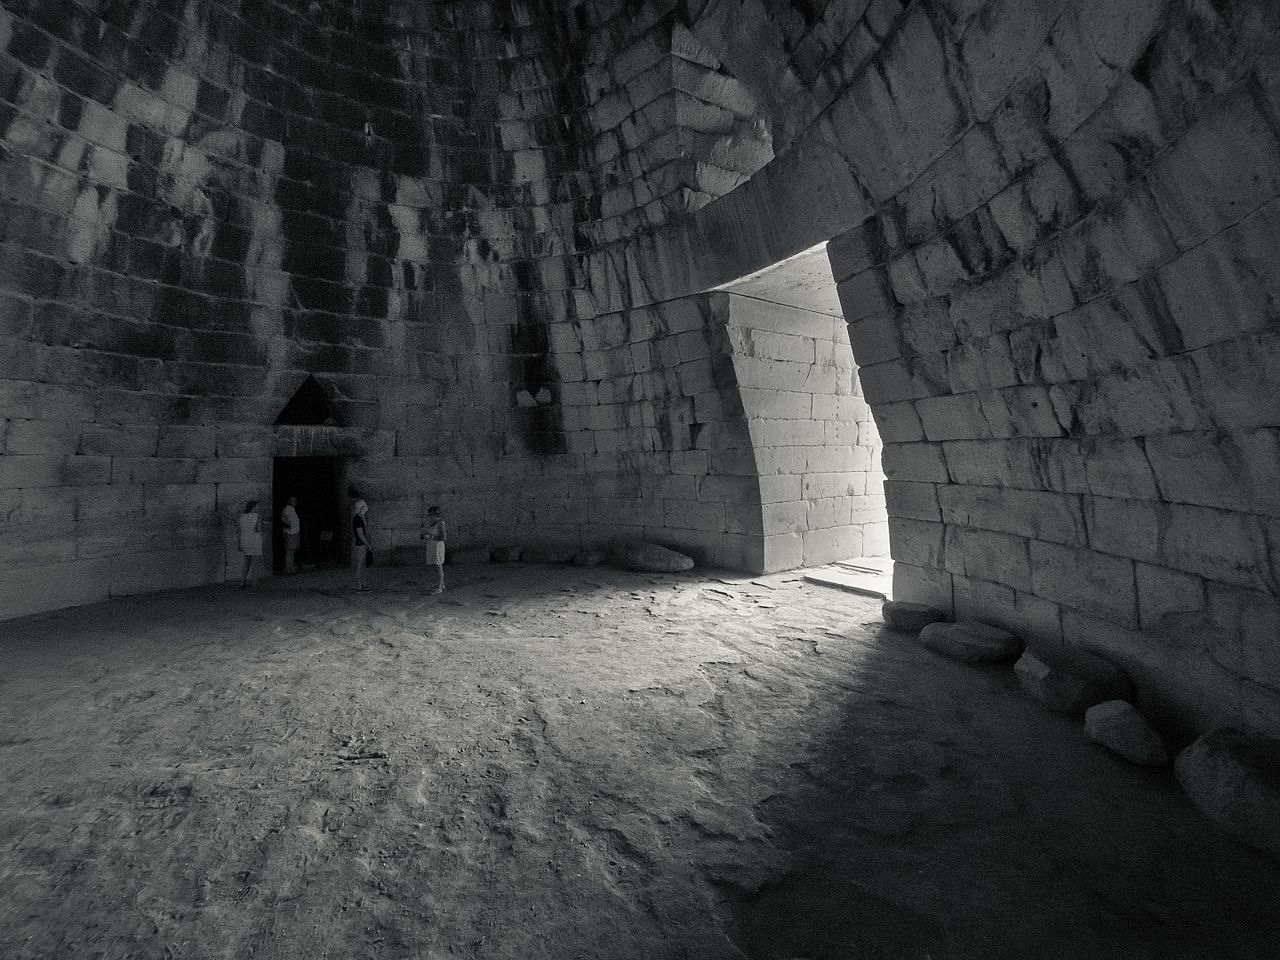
(562, 763)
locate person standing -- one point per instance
(250, 538)
(292, 534)
(360, 543)
(434, 534)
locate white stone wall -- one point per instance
(817, 452)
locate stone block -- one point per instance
(694, 515)
(1118, 467)
(914, 501)
(920, 462)
(985, 555)
(1121, 728)
(898, 422)
(836, 543)
(1221, 170)
(1168, 599)
(1234, 778)
(784, 517)
(1071, 681)
(1028, 513)
(954, 417)
(908, 617)
(783, 552)
(651, 557)
(1101, 585)
(925, 585)
(1226, 286)
(916, 542)
(971, 641)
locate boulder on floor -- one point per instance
(469, 555)
(1119, 726)
(507, 554)
(970, 641)
(651, 558)
(1071, 682)
(910, 617)
(548, 553)
(592, 557)
(1234, 778)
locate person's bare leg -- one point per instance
(248, 566)
(439, 578)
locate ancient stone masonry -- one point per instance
(502, 236)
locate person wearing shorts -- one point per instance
(250, 539)
(434, 534)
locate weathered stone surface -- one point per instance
(1071, 682)
(1234, 777)
(1119, 726)
(651, 557)
(469, 555)
(507, 554)
(548, 554)
(590, 558)
(971, 641)
(910, 617)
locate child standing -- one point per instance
(434, 534)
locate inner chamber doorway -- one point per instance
(319, 484)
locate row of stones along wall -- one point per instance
(1067, 331)
(1054, 228)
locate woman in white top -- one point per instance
(250, 538)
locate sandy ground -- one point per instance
(561, 763)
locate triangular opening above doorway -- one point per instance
(310, 406)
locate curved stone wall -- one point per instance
(1051, 221)
(1053, 230)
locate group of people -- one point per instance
(433, 536)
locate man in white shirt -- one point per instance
(292, 533)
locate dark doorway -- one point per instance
(318, 483)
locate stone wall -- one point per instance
(1053, 223)
(206, 202)
(1066, 328)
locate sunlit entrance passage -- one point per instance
(815, 444)
(318, 484)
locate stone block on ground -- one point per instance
(651, 558)
(469, 555)
(910, 617)
(1234, 778)
(507, 554)
(1120, 727)
(1071, 682)
(548, 554)
(971, 641)
(589, 558)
